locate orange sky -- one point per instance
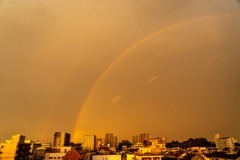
(177, 75)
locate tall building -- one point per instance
(135, 139)
(61, 139)
(115, 141)
(89, 142)
(109, 140)
(144, 136)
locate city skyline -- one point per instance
(166, 68)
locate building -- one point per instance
(108, 139)
(135, 139)
(148, 157)
(223, 156)
(61, 139)
(34, 144)
(99, 142)
(15, 148)
(144, 136)
(106, 157)
(115, 142)
(158, 145)
(224, 142)
(89, 142)
(57, 153)
(72, 155)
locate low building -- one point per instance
(148, 157)
(223, 156)
(57, 153)
(106, 157)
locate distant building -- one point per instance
(89, 142)
(61, 139)
(15, 148)
(135, 139)
(224, 142)
(144, 136)
(99, 142)
(157, 146)
(108, 139)
(115, 142)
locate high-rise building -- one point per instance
(109, 140)
(89, 142)
(61, 139)
(144, 136)
(135, 139)
(115, 141)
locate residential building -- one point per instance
(34, 144)
(224, 142)
(223, 156)
(148, 157)
(61, 139)
(89, 142)
(144, 136)
(15, 148)
(57, 153)
(72, 155)
(108, 139)
(106, 157)
(135, 139)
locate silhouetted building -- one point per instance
(144, 136)
(61, 139)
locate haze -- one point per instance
(169, 68)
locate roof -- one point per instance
(223, 155)
(189, 156)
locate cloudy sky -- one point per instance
(169, 68)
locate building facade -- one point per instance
(144, 136)
(15, 148)
(61, 139)
(224, 142)
(89, 142)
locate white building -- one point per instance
(58, 153)
(89, 142)
(224, 142)
(148, 157)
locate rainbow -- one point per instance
(138, 43)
